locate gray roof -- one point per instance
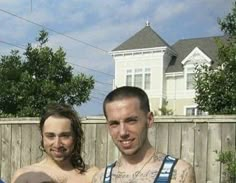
(185, 46)
(145, 38)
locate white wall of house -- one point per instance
(155, 60)
(179, 96)
(170, 86)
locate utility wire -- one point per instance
(102, 92)
(91, 69)
(98, 93)
(52, 30)
(100, 82)
(96, 99)
(11, 44)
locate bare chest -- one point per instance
(70, 178)
(147, 176)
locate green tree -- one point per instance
(164, 110)
(216, 87)
(228, 160)
(41, 76)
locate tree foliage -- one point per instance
(216, 87)
(228, 159)
(41, 76)
(164, 110)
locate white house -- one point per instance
(164, 71)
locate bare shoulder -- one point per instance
(91, 172)
(98, 178)
(183, 172)
(31, 173)
(22, 171)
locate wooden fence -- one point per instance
(194, 139)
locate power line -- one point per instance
(12, 44)
(96, 99)
(91, 69)
(52, 30)
(103, 83)
(98, 93)
(103, 92)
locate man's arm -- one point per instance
(98, 178)
(183, 173)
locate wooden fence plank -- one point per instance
(174, 140)
(200, 152)
(89, 144)
(162, 137)
(188, 137)
(228, 142)
(214, 145)
(187, 150)
(15, 148)
(26, 144)
(36, 154)
(0, 149)
(152, 135)
(6, 149)
(101, 145)
(228, 136)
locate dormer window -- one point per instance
(194, 58)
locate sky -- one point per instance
(88, 30)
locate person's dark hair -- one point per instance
(128, 92)
(67, 111)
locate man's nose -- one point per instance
(57, 142)
(123, 130)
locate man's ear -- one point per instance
(150, 119)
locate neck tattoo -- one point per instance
(136, 174)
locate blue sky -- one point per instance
(89, 30)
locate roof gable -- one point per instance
(196, 56)
(145, 38)
(184, 47)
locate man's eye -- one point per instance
(113, 124)
(66, 136)
(50, 136)
(132, 120)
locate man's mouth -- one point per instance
(126, 143)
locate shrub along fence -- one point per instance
(194, 139)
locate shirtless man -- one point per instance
(128, 118)
(62, 138)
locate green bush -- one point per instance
(228, 159)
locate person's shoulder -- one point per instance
(22, 171)
(184, 172)
(98, 177)
(34, 170)
(90, 172)
(183, 165)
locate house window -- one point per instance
(190, 111)
(190, 79)
(139, 77)
(194, 111)
(129, 77)
(147, 79)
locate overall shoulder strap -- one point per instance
(108, 172)
(166, 170)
